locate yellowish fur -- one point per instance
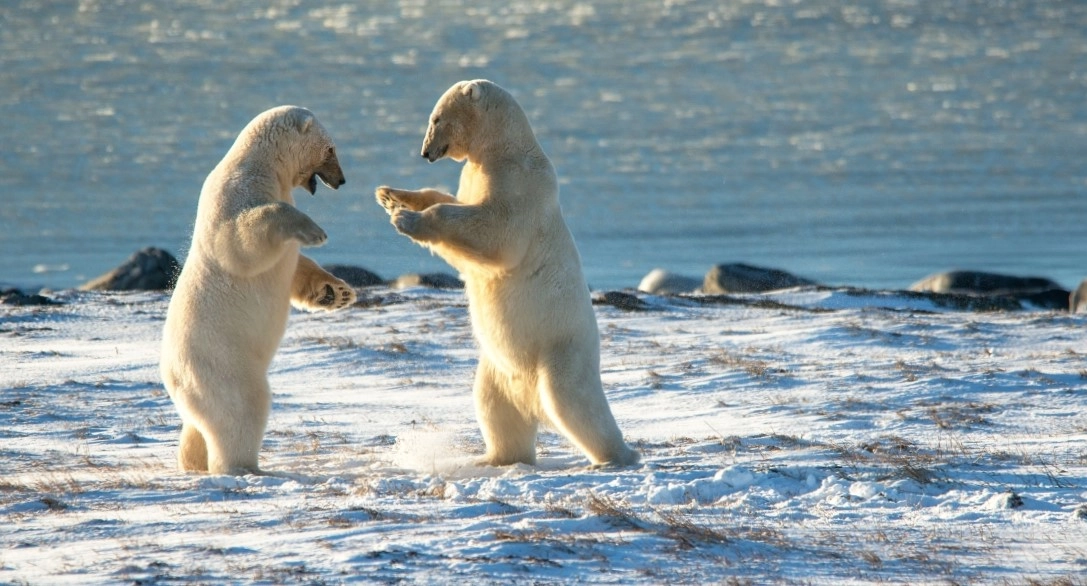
(530, 308)
(230, 305)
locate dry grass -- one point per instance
(891, 457)
(909, 372)
(613, 511)
(345, 343)
(1063, 581)
(871, 557)
(754, 367)
(678, 526)
(687, 533)
(53, 504)
(951, 416)
(559, 510)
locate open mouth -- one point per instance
(311, 183)
(329, 183)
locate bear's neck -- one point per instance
(273, 173)
(504, 130)
(517, 142)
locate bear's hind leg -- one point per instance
(573, 400)
(235, 431)
(235, 451)
(510, 435)
(192, 452)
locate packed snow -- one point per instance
(807, 436)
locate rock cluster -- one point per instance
(149, 269)
(155, 269)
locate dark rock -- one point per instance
(958, 301)
(1049, 299)
(762, 303)
(624, 301)
(744, 278)
(662, 282)
(17, 297)
(355, 276)
(150, 269)
(979, 283)
(1009, 500)
(1037, 291)
(1077, 301)
(431, 280)
(372, 299)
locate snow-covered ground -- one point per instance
(802, 437)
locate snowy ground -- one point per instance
(804, 437)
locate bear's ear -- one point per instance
(304, 122)
(472, 89)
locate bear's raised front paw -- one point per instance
(388, 200)
(333, 296)
(311, 235)
(407, 222)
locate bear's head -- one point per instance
(301, 145)
(469, 114)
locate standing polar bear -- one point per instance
(230, 305)
(530, 308)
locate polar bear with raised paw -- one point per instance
(530, 308)
(230, 305)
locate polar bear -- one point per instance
(229, 308)
(529, 306)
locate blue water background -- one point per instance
(866, 143)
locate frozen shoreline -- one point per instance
(806, 436)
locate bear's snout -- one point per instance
(330, 173)
(433, 154)
(333, 183)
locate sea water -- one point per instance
(864, 142)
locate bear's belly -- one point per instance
(216, 317)
(516, 327)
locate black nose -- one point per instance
(342, 181)
(426, 155)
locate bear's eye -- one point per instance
(435, 120)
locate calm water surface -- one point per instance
(865, 142)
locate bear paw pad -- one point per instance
(388, 200)
(335, 296)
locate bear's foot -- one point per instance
(625, 458)
(501, 461)
(335, 296)
(326, 296)
(609, 466)
(387, 197)
(238, 471)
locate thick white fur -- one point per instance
(530, 308)
(230, 305)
